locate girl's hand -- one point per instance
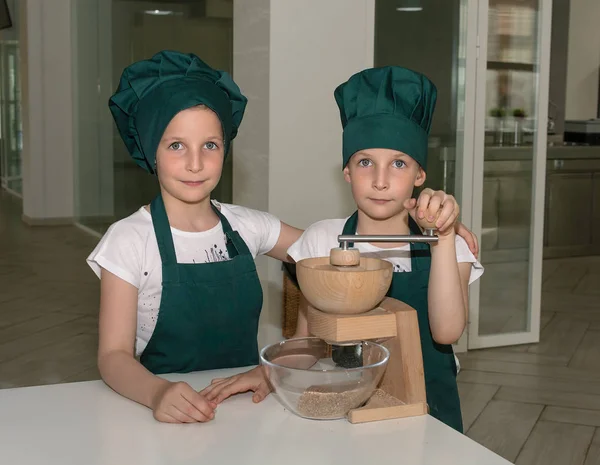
(253, 380)
(435, 206)
(180, 403)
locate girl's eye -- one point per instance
(176, 146)
(364, 162)
(399, 164)
(211, 146)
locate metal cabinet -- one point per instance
(569, 210)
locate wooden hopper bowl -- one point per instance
(344, 290)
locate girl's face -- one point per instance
(189, 157)
(382, 180)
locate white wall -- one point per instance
(92, 123)
(45, 47)
(315, 46)
(583, 62)
(288, 58)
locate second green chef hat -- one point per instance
(151, 92)
(389, 107)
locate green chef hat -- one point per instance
(151, 92)
(389, 107)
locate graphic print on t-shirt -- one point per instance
(216, 254)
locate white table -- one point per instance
(87, 423)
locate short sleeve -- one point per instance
(119, 252)
(317, 240)
(260, 230)
(464, 255)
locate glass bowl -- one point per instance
(310, 377)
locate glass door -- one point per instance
(10, 118)
(509, 170)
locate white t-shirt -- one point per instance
(321, 237)
(129, 250)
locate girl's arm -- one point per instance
(448, 280)
(287, 237)
(171, 402)
(448, 291)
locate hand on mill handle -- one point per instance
(436, 210)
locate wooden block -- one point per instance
(383, 406)
(376, 324)
(404, 377)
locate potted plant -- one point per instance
(519, 113)
(497, 112)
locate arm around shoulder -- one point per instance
(287, 236)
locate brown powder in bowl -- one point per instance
(324, 402)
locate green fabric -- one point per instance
(151, 92)
(386, 108)
(208, 314)
(438, 360)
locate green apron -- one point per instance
(438, 360)
(208, 315)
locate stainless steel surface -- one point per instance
(569, 210)
(345, 239)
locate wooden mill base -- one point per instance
(401, 392)
(383, 406)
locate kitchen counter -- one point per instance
(88, 423)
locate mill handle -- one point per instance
(427, 236)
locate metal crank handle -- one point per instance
(428, 236)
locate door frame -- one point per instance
(532, 333)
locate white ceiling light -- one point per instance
(409, 5)
(159, 12)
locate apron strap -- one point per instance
(350, 227)
(235, 244)
(420, 253)
(162, 231)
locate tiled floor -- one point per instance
(48, 302)
(533, 404)
(540, 403)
